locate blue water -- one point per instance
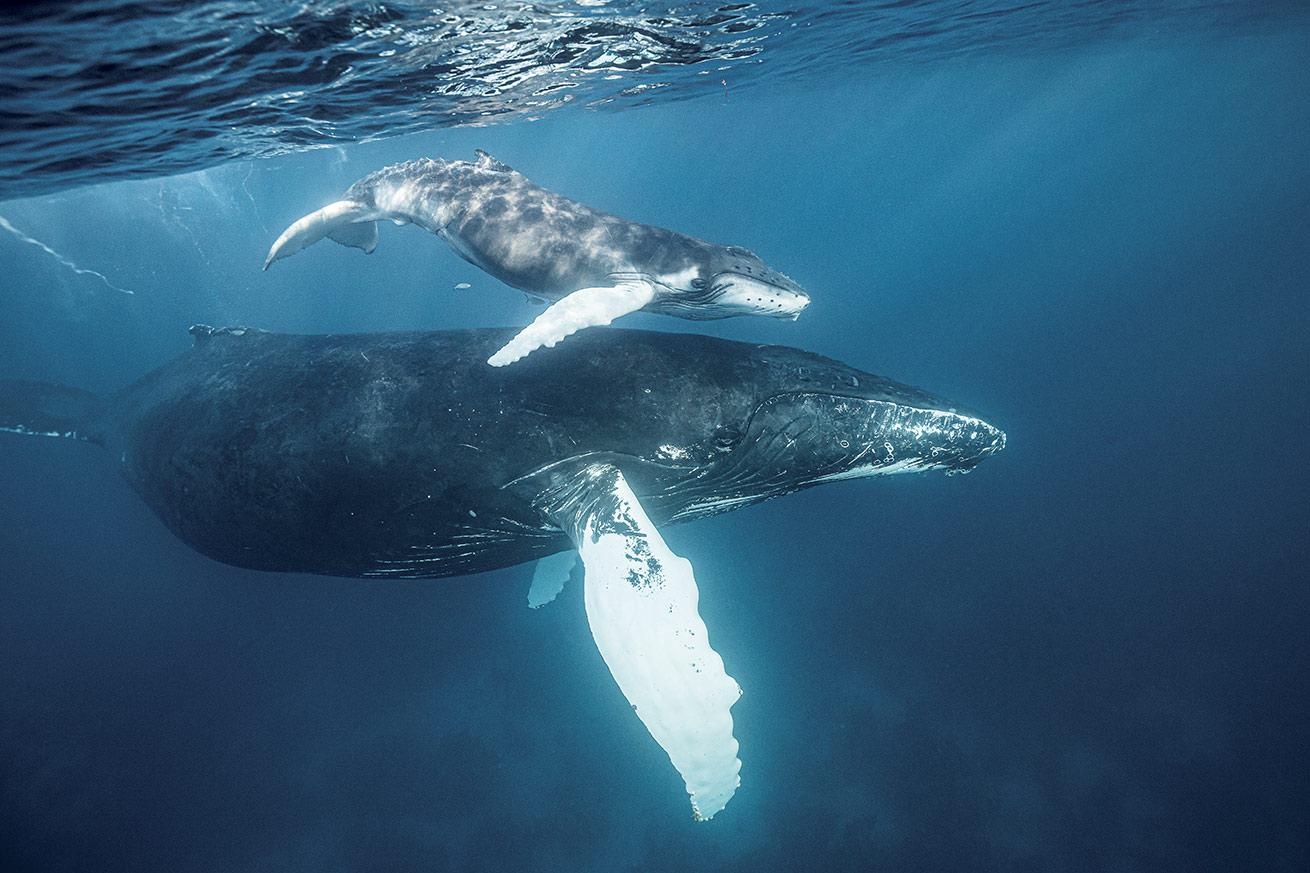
(1089, 654)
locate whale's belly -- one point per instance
(327, 504)
(332, 457)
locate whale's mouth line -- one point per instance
(854, 398)
(671, 294)
(708, 302)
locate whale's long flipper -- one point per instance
(641, 602)
(345, 221)
(44, 409)
(587, 307)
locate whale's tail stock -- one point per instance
(44, 409)
(345, 222)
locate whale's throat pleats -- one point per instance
(641, 602)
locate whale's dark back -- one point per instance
(386, 454)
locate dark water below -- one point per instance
(1087, 655)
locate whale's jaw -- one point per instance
(796, 441)
(746, 295)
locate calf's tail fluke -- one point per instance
(345, 221)
(43, 409)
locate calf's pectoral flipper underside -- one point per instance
(586, 307)
(641, 602)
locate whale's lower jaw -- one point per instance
(703, 507)
(703, 307)
(798, 441)
(690, 309)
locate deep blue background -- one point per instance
(1089, 655)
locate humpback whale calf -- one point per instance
(596, 267)
(403, 455)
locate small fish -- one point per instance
(463, 286)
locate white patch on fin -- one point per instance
(641, 602)
(586, 307)
(549, 577)
(333, 219)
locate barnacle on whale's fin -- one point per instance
(641, 602)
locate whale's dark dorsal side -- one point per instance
(404, 455)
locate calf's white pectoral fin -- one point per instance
(641, 602)
(587, 307)
(345, 221)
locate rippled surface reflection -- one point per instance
(93, 91)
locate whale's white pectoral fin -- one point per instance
(587, 307)
(641, 602)
(346, 222)
(549, 576)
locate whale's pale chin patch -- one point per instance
(749, 296)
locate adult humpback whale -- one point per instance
(597, 266)
(403, 455)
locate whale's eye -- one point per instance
(725, 437)
(698, 284)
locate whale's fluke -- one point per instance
(344, 221)
(43, 409)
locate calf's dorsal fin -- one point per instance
(487, 162)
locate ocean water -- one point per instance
(1088, 221)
